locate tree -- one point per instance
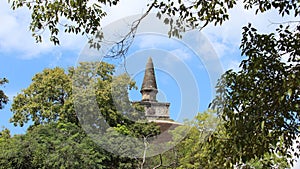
(5, 134)
(207, 145)
(52, 94)
(53, 145)
(101, 99)
(47, 99)
(260, 103)
(3, 97)
(55, 95)
(61, 117)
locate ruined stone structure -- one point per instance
(154, 110)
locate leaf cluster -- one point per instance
(3, 97)
(79, 17)
(47, 99)
(260, 103)
(184, 15)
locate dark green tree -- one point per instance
(3, 97)
(53, 145)
(260, 103)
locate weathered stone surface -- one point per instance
(153, 110)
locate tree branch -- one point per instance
(160, 164)
(121, 47)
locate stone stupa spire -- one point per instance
(149, 87)
(154, 110)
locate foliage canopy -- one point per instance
(259, 104)
(84, 17)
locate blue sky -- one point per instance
(21, 57)
(181, 75)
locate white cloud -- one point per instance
(150, 41)
(57, 57)
(234, 65)
(15, 36)
(160, 42)
(226, 38)
(11, 95)
(181, 53)
(296, 165)
(222, 49)
(123, 9)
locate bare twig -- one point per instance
(285, 22)
(121, 47)
(146, 146)
(160, 164)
